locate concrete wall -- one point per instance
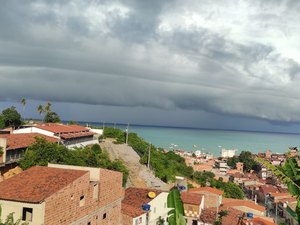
(3, 145)
(38, 211)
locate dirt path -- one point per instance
(139, 175)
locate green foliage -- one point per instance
(231, 190)
(176, 216)
(119, 135)
(51, 117)
(165, 165)
(2, 123)
(289, 174)
(10, 219)
(1, 151)
(11, 117)
(203, 178)
(42, 152)
(247, 159)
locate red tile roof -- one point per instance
(265, 189)
(233, 216)
(62, 128)
(191, 198)
(131, 211)
(207, 189)
(136, 197)
(230, 202)
(37, 183)
(16, 141)
(66, 131)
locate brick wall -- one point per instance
(64, 207)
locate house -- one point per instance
(60, 194)
(245, 206)
(233, 216)
(144, 206)
(264, 191)
(70, 135)
(193, 204)
(212, 196)
(14, 146)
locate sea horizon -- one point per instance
(209, 140)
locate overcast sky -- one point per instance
(196, 63)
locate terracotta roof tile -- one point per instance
(136, 197)
(62, 128)
(207, 189)
(131, 211)
(265, 189)
(191, 198)
(66, 131)
(16, 141)
(230, 202)
(37, 183)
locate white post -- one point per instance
(127, 130)
(149, 155)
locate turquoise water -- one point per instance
(213, 140)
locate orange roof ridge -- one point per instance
(208, 189)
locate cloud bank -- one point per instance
(229, 58)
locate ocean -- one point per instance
(212, 141)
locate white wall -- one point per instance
(158, 208)
(141, 220)
(33, 130)
(38, 213)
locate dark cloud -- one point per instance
(225, 59)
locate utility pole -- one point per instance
(148, 165)
(127, 130)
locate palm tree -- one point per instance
(23, 103)
(289, 174)
(40, 109)
(48, 107)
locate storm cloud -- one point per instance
(225, 58)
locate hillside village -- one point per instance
(68, 194)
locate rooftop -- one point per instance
(16, 141)
(37, 183)
(134, 199)
(207, 189)
(230, 202)
(191, 198)
(62, 128)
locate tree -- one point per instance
(2, 124)
(40, 109)
(42, 152)
(48, 107)
(11, 117)
(51, 117)
(23, 103)
(289, 174)
(10, 219)
(231, 190)
(247, 159)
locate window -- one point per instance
(82, 201)
(104, 216)
(27, 214)
(95, 191)
(89, 223)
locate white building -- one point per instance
(227, 153)
(144, 206)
